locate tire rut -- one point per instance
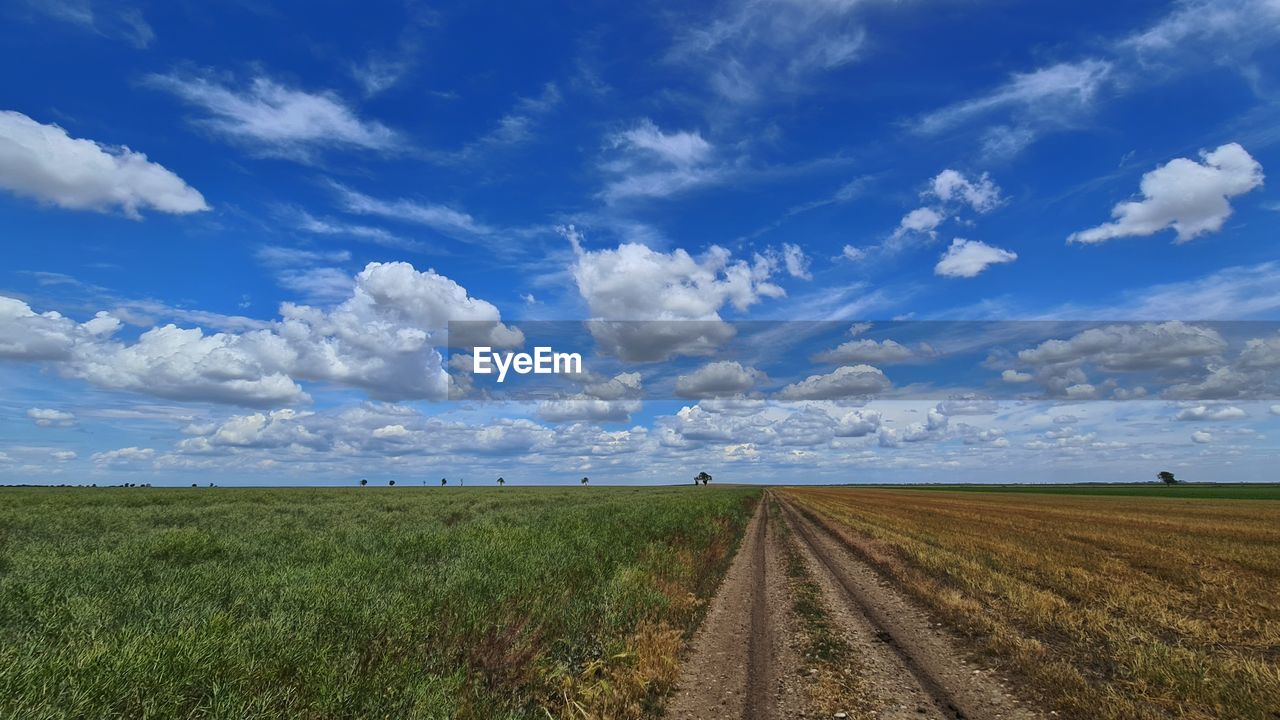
(956, 689)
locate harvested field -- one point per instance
(1106, 607)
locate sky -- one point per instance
(818, 241)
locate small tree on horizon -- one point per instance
(443, 482)
(1167, 477)
(703, 478)
(363, 482)
(391, 483)
(501, 481)
(585, 479)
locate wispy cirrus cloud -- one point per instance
(275, 119)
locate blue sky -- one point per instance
(235, 236)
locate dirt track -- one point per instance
(748, 659)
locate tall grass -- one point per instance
(1110, 607)
(346, 603)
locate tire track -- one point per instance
(759, 647)
(957, 691)
(739, 658)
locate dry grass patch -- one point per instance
(1109, 607)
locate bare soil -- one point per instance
(747, 660)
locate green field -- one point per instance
(387, 602)
(1260, 491)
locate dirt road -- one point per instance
(873, 654)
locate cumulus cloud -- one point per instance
(48, 417)
(1135, 346)
(277, 119)
(981, 194)
(1205, 412)
(865, 351)
(1189, 196)
(1014, 376)
(719, 379)
(383, 338)
(921, 220)
(968, 258)
(843, 382)
(43, 162)
(647, 305)
(952, 191)
(1261, 353)
(123, 458)
(858, 423)
(1201, 437)
(583, 408)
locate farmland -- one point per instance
(311, 603)
(1105, 607)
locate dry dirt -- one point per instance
(747, 660)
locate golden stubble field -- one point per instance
(1108, 607)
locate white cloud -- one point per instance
(843, 382)
(725, 378)
(442, 218)
(1216, 412)
(653, 163)
(858, 423)
(920, 220)
(1189, 196)
(45, 163)
(1142, 346)
(27, 335)
(853, 254)
(48, 417)
(677, 298)
(1013, 376)
(681, 148)
(752, 51)
(968, 258)
(796, 262)
(123, 458)
(1201, 437)
(586, 409)
(1043, 98)
(1275, 409)
(277, 119)
(383, 339)
(1230, 26)
(1261, 353)
(982, 195)
(865, 351)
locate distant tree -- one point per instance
(585, 480)
(363, 482)
(443, 482)
(193, 484)
(1167, 477)
(392, 483)
(501, 481)
(703, 478)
